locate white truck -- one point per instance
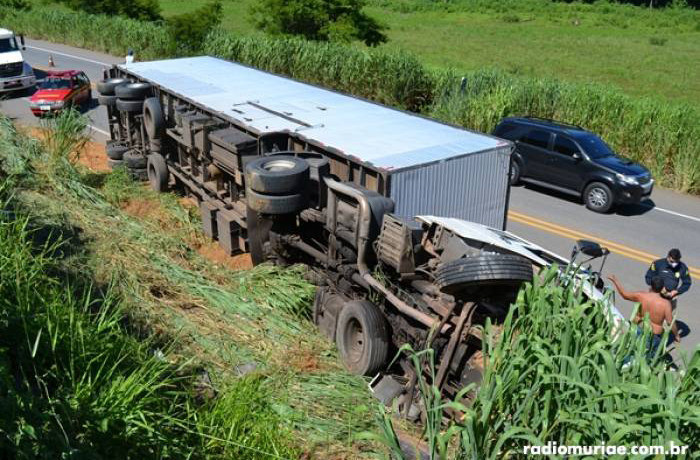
(294, 173)
(15, 72)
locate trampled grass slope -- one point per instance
(119, 340)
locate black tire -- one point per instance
(277, 175)
(135, 160)
(598, 197)
(362, 337)
(488, 269)
(139, 174)
(158, 174)
(107, 87)
(514, 173)
(116, 151)
(125, 105)
(275, 204)
(133, 91)
(115, 164)
(153, 119)
(107, 100)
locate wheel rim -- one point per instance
(354, 339)
(514, 171)
(278, 165)
(597, 197)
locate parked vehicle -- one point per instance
(60, 90)
(15, 72)
(572, 160)
(294, 173)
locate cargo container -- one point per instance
(295, 173)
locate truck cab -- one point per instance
(15, 72)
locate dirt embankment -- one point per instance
(93, 157)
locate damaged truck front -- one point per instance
(294, 173)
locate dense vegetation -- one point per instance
(117, 340)
(660, 134)
(334, 20)
(553, 374)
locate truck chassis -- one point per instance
(383, 281)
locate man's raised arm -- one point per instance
(631, 296)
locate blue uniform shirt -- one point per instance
(675, 279)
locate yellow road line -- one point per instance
(566, 232)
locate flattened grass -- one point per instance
(294, 396)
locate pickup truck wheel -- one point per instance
(362, 338)
(275, 204)
(277, 175)
(125, 105)
(153, 119)
(488, 269)
(107, 87)
(134, 160)
(514, 173)
(158, 174)
(107, 100)
(116, 151)
(133, 91)
(598, 197)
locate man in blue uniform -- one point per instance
(674, 274)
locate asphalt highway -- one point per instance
(635, 235)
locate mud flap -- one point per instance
(258, 234)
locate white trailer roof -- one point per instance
(387, 138)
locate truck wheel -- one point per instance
(275, 204)
(362, 338)
(106, 87)
(134, 160)
(140, 174)
(116, 151)
(499, 269)
(113, 164)
(133, 91)
(109, 101)
(158, 174)
(598, 197)
(277, 174)
(514, 173)
(153, 119)
(125, 105)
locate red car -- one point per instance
(59, 90)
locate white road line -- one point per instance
(696, 219)
(69, 55)
(101, 131)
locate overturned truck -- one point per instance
(294, 173)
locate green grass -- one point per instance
(609, 44)
(178, 314)
(555, 374)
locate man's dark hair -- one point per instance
(657, 284)
(675, 254)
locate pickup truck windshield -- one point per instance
(7, 44)
(54, 83)
(594, 146)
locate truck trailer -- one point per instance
(400, 219)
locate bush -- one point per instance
(146, 10)
(335, 20)
(189, 30)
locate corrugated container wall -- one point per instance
(473, 187)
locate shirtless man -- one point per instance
(652, 303)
